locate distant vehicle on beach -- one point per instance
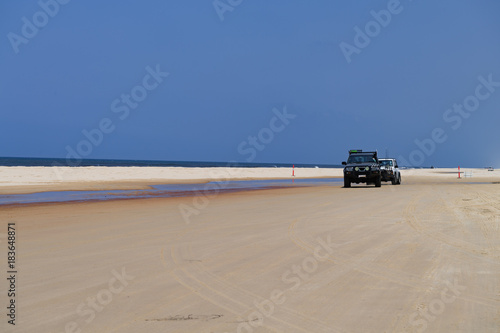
(362, 167)
(490, 169)
(390, 170)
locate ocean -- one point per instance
(47, 162)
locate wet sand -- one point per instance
(422, 256)
(161, 191)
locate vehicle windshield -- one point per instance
(386, 162)
(361, 159)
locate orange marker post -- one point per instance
(458, 171)
(293, 170)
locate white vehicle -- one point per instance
(390, 170)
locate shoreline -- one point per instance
(26, 180)
(162, 191)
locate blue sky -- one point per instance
(229, 67)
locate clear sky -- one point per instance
(261, 81)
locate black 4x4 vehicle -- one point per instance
(362, 167)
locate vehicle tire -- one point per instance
(347, 182)
(399, 180)
(378, 181)
(394, 180)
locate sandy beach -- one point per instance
(37, 179)
(420, 257)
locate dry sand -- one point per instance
(422, 256)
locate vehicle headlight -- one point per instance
(367, 168)
(356, 168)
(348, 169)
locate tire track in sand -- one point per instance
(198, 278)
